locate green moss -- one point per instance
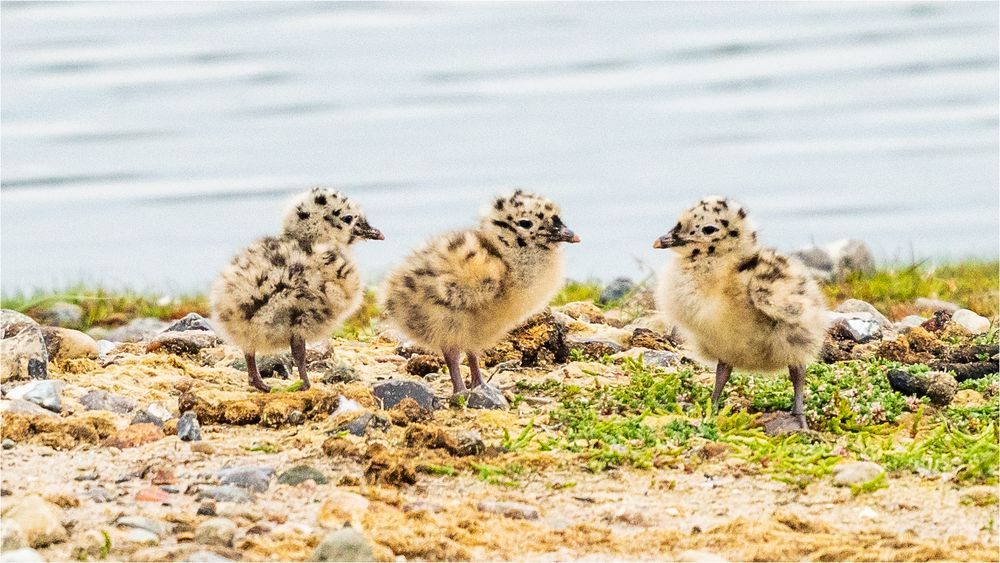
(578, 291)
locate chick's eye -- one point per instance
(524, 223)
(348, 218)
(709, 230)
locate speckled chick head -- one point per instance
(713, 226)
(326, 215)
(527, 220)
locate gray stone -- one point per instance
(910, 321)
(358, 426)
(215, 531)
(191, 321)
(338, 373)
(142, 416)
(141, 537)
(23, 555)
(856, 473)
(62, 313)
(971, 321)
(655, 358)
(159, 411)
(188, 342)
(816, 259)
(188, 429)
(39, 519)
(205, 556)
(391, 392)
(515, 510)
(44, 393)
(300, 474)
(594, 347)
(485, 396)
(470, 442)
(22, 348)
(8, 444)
(618, 289)
(100, 495)
(345, 544)
(142, 523)
(99, 400)
(859, 306)
(88, 476)
(226, 493)
(927, 304)
(18, 406)
(254, 477)
(857, 328)
(104, 347)
(137, 330)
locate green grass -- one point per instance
(578, 291)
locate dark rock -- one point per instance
(301, 473)
(142, 416)
(191, 321)
(594, 347)
(484, 396)
(296, 417)
(539, 340)
(617, 290)
(226, 493)
(98, 400)
(8, 444)
(937, 322)
(358, 426)
(188, 429)
(186, 343)
(469, 442)
(938, 386)
(334, 372)
(207, 508)
(345, 544)
(646, 338)
(278, 365)
(391, 392)
(423, 364)
(965, 372)
(22, 347)
(253, 477)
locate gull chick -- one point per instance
(736, 302)
(296, 287)
(465, 290)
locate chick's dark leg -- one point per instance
(451, 357)
(722, 372)
(299, 357)
(477, 375)
(255, 380)
(798, 376)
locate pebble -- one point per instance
(142, 523)
(656, 358)
(18, 406)
(207, 508)
(860, 327)
(39, 519)
(44, 393)
(970, 321)
(301, 473)
(159, 411)
(345, 544)
(12, 536)
(358, 426)
(391, 392)
(423, 364)
(188, 429)
(67, 344)
(254, 477)
(8, 444)
(859, 306)
(141, 537)
(62, 313)
(594, 347)
(100, 495)
(152, 494)
(99, 400)
(191, 321)
(616, 290)
(935, 305)
(142, 416)
(215, 531)
(910, 321)
(137, 330)
(515, 510)
(225, 493)
(204, 556)
(163, 476)
(188, 342)
(88, 476)
(470, 442)
(134, 436)
(23, 555)
(856, 473)
(22, 348)
(104, 347)
(484, 396)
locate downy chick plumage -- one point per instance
(296, 287)
(465, 290)
(737, 302)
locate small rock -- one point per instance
(648, 338)
(12, 536)
(155, 527)
(98, 400)
(39, 520)
(859, 306)
(656, 358)
(204, 556)
(982, 495)
(618, 289)
(937, 322)
(357, 426)
(515, 510)
(301, 473)
(970, 321)
(423, 364)
(279, 365)
(188, 429)
(215, 531)
(337, 373)
(67, 344)
(22, 348)
(968, 398)
(345, 544)
(391, 392)
(134, 436)
(296, 417)
(254, 477)
(191, 321)
(186, 343)
(159, 411)
(469, 442)
(583, 311)
(137, 330)
(104, 347)
(484, 396)
(692, 556)
(100, 495)
(939, 386)
(422, 506)
(593, 347)
(207, 508)
(856, 473)
(88, 476)
(142, 416)
(44, 393)
(62, 313)
(8, 444)
(857, 328)
(910, 321)
(225, 493)
(932, 305)
(23, 555)
(163, 476)
(18, 406)
(141, 537)
(151, 494)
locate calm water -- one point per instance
(143, 144)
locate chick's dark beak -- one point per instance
(670, 240)
(364, 230)
(564, 234)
